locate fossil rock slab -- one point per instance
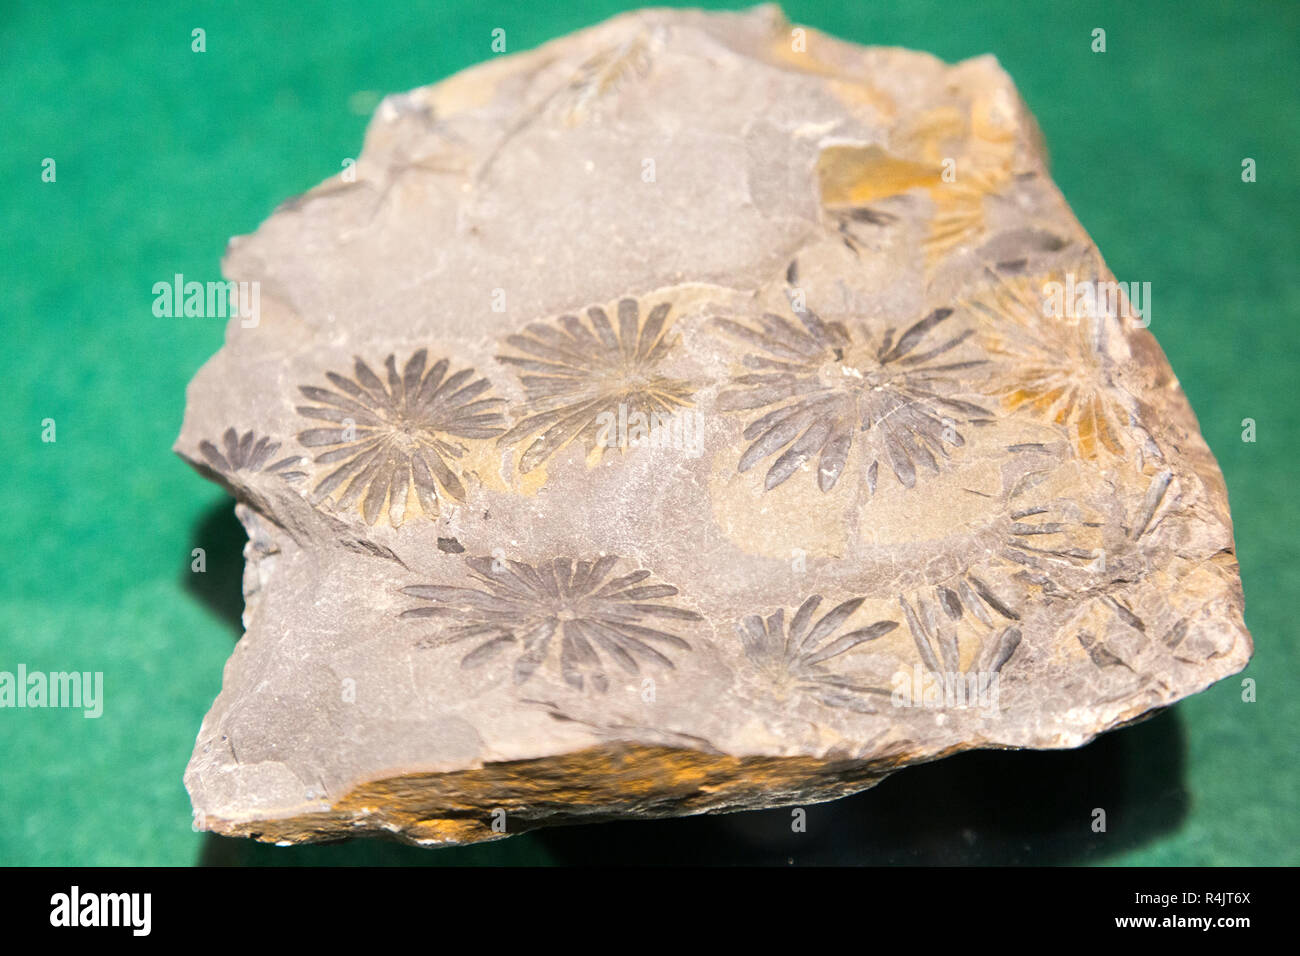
(693, 414)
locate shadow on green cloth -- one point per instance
(220, 588)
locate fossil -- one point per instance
(1056, 370)
(933, 625)
(242, 453)
(393, 442)
(575, 371)
(830, 385)
(522, 609)
(955, 158)
(796, 657)
(941, 491)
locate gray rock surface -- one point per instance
(682, 417)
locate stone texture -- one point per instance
(885, 466)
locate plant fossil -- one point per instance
(525, 611)
(242, 453)
(393, 440)
(796, 658)
(573, 371)
(825, 385)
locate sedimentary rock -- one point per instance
(694, 414)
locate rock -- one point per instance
(694, 414)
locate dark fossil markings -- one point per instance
(250, 454)
(574, 371)
(1151, 502)
(934, 620)
(848, 222)
(395, 437)
(1099, 653)
(797, 656)
(821, 387)
(1176, 634)
(528, 612)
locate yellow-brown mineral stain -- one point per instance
(495, 468)
(957, 158)
(858, 175)
(1049, 367)
(591, 784)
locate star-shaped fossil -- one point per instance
(934, 623)
(1053, 366)
(575, 371)
(825, 385)
(526, 611)
(794, 659)
(394, 440)
(242, 453)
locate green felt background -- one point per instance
(163, 153)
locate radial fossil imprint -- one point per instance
(521, 608)
(575, 371)
(394, 440)
(828, 385)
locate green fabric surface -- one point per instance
(163, 153)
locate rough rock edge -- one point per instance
(596, 784)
